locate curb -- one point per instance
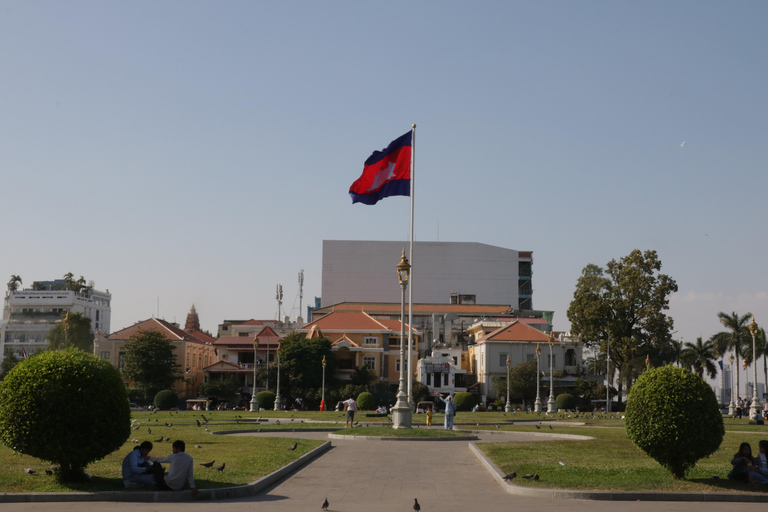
(240, 491)
(570, 494)
(378, 438)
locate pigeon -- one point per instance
(198, 446)
(149, 431)
(294, 446)
(204, 418)
(206, 429)
(528, 477)
(536, 476)
(159, 440)
(537, 427)
(198, 423)
(167, 438)
(510, 476)
(325, 504)
(220, 468)
(29, 471)
(48, 472)
(277, 422)
(207, 464)
(416, 505)
(550, 427)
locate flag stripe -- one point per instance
(385, 173)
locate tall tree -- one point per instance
(626, 307)
(69, 281)
(8, 363)
(301, 363)
(150, 363)
(14, 283)
(733, 339)
(522, 383)
(700, 357)
(74, 330)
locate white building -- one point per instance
(441, 372)
(28, 315)
(443, 272)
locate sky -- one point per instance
(198, 152)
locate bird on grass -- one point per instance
(277, 422)
(207, 429)
(204, 418)
(29, 471)
(537, 427)
(416, 505)
(159, 440)
(48, 472)
(510, 476)
(324, 506)
(220, 468)
(198, 446)
(294, 446)
(198, 423)
(550, 427)
(149, 431)
(207, 464)
(535, 476)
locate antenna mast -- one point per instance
(279, 297)
(301, 290)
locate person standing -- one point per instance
(180, 470)
(429, 416)
(450, 411)
(137, 472)
(351, 406)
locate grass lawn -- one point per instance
(246, 458)
(612, 462)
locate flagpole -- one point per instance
(410, 283)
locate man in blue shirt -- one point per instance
(137, 470)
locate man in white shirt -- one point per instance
(351, 406)
(180, 470)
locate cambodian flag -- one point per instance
(386, 173)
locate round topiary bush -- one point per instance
(266, 400)
(673, 416)
(566, 401)
(464, 401)
(366, 402)
(166, 399)
(68, 407)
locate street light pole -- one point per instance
(254, 400)
(551, 401)
(508, 407)
(322, 400)
(731, 406)
(401, 412)
(754, 411)
(607, 376)
(278, 400)
(537, 403)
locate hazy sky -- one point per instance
(182, 152)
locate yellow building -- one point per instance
(358, 339)
(193, 350)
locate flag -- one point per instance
(385, 173)
(720, 362)
(24, 353)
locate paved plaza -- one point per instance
(375, 475)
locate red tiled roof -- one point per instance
(516, 331)
(202, 337)
(394, 325)
(346, 321)
(169, 331)
(244, 341)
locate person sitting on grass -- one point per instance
(745, 468)
(180, 470)
(137, 472)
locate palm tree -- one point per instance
(733, 339)
(69, 281)
(700, 356)
(14, 283)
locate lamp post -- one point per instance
(551, 401)
(322, 400)
(254, 400)
(731, 406)
(754, 411)
(607, 376)
(401, 412)
(537, 403)
(508, 407)
(278, 400)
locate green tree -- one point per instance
(700, 357)
(301, 362)
(65, 407)
(420, 391)
(226, 388)
(150, 363)
(522, 382)
(674, 416)
(14, 283)
(7, 365)
(626, 307)
(74, 330)
(362, 376)
(69, 281)
(734, 338)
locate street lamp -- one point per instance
(508, 407)
(322, 400)
(278, 400)
(537, 403)
(254, 400)
(754, 411)
(731, 406)
(401, 412)
(607, 376)
(551, 401)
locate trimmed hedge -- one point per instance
(366, 401)
(166, 399)
(464, 401)
(69, 408)
(266, 400)
(566, 401)
(673, 416)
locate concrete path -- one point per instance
(357, 475)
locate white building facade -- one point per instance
(28, 316)
(441, 371)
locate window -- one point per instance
(370, 362)
(445, 379)
(105, 355)
(120, 357)
(503, 359)
(397, 365)
(371, 340)
(429, 379)
(554, 359)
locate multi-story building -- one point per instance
(468, 272)
(28, 315)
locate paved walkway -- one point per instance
(357, 475)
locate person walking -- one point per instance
(350, 406)
(450, 411)
(179, 473)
